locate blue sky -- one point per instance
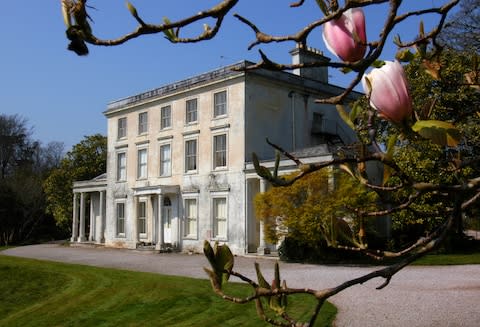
(63, 96)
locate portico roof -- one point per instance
(156, 189)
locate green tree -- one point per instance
(86, 160)
(24, 165)
(449, 98)
(386, 88)
(462, 31)
(16, 146)
(315, 209)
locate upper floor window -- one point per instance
(165, 117)
(219, 151)
(122, 128)
(121, 166)
(142, 123)
(142, 164)
(220, 104)
(165, 160)
(191, 111)
(190, 155)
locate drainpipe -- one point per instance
(291, 95)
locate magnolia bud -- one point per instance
(346, 37)
(387, 88)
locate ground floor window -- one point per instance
(120, 219)
(191, 217)
(220, 217)
(142, 217)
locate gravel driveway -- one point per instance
(416, 296)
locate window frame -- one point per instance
(190, 230)
(191, 116)
(162, 161)
(121, 130)
(120, 168)
(223, 105)
(119, 232)
(216, 151)
(165, 118)
(216, 220)
(188, 156)
(143, 123)
(142, 219)
(140, 165)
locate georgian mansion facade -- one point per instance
(179, 167)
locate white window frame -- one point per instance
(118, 231)
(218, 105)
(217, 234)
(191, 116)
(190, 219)
(188, 156)
(121, 128)
(166, 119)
(165, 163)
(143, 123)
(142, 167)
(121, 168)
(142, 226)
(216, 151)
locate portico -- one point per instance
(156, 215)
(89, 195)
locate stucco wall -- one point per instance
(204, 184)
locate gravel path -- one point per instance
(416, 296)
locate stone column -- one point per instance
(81, 237)
(93, 219)
(75, 218)
(262, 248)
(135, 221)
(159, 244)
(102, 217)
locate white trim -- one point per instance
(213, 219)
(190, 236)
(226, 103)
(213, 152)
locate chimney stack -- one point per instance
(302, 55)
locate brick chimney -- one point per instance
(303, 54)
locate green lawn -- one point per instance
(448, 259)
(39, 293)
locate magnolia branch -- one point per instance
(419, 249)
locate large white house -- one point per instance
(179, 165)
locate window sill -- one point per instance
(193, 123)
(219, 239)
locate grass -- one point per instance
(448, 259)
(40, 293)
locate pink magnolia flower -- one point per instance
(387, 88)
(346, 37)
